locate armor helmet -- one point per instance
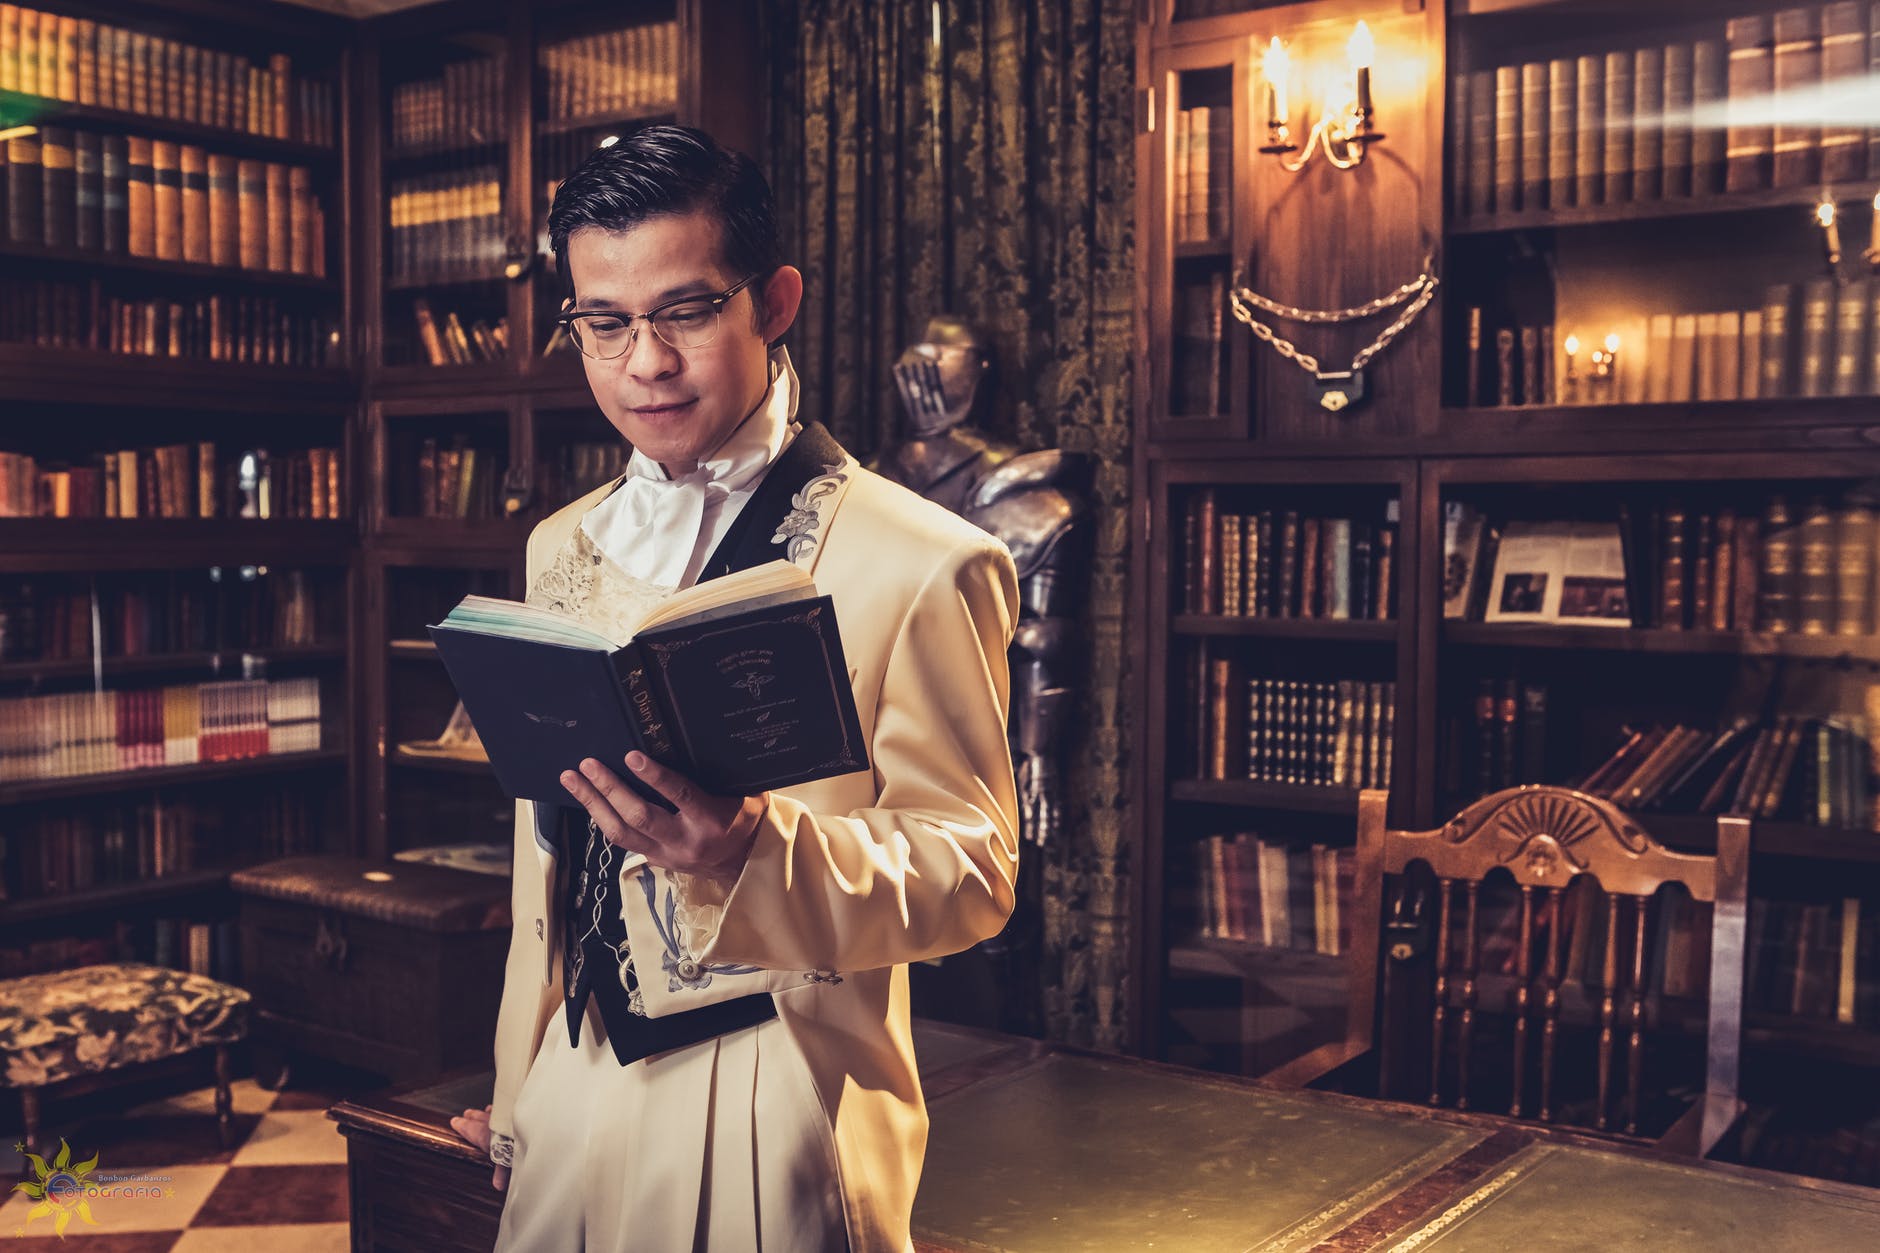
(939, 376)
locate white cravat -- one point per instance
(663, 529)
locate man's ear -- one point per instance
(777, 303)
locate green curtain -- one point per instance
(975, 156)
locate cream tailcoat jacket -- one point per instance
(849, 878)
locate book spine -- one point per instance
(1843, 64)
(1797, 68)
(1817, 318)
(1562, 139)
(1849, 373)
(1619, 133)
(1854, 575)
(1648, 112)
(1589, 163)
(1776, 577)
(1459, 146)
(59, 187)
(166, 177)
(1679, 95)
(1507, 138)
(1778, 377)
(1481, 124)
(88, 170)
(1816, 585)
(1751, 83)
(1535, 123)
(140, 178)
(638, 691)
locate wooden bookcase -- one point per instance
(397, 554)
(1327, 238)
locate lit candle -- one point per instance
(1360, 51)
(1830, 231)
(1278, 70)
(1573, 371)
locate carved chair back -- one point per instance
(1544, 837)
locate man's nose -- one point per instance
(649, 356)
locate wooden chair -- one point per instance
(1544, 837)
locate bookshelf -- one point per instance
(1439, 432)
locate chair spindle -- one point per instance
(1465, 1035)
(1610, 973)
(1635, 1054)
(1550, 1005)
(1441, 1014)
(1523, 971)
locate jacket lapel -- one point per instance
(788, 515)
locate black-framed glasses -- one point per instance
(688, 322)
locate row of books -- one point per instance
(207, 948)
(95, 63)
(1683, 119)
(1811, 339)
(126, 195)
(447, 226)
(1307, 734)
(59, 851)
(1198, 379)
(459, 481)
(1275, 893)
(1814, 959)
(618, 72)
(1508, 736)
(1675, 566)
(577, 467)
(462, 107)
(72, 734)
(1203, 182)
(140, 615)
(262, 330)
(446, 341)
(177, 481)
(1280, 564)
(1791, 767)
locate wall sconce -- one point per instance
(1825, 218)
(1343, 134)
(1606, 368)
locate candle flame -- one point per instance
(1277, 65)
(1612, 342)
(1824, 212)
(1573, 344)
(1362, 48)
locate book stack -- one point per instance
(1284, 564)
(85, 62)
(446, 341)
(176, 481)
(91, 317)
(447, 226)
(459, 481)
(1203, 182)
(143, 615)
(1784, 564)
(1815, 959)
(1737, 112)
(464, 107)
(1507, 739)
(1199, 386)
(612, 75)
(1816, 771)
(71, 734)
(1275, 894)
(131, 196)
(1306, 734)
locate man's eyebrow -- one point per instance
(697, 287)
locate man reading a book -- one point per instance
(704, 1038)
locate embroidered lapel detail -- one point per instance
(749, 541)
(794, 531)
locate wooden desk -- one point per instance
(1042, 1148)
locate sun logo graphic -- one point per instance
(59, 1189)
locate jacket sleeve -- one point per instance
(929, 869)
(520, 1017)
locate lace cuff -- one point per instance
(698, 901)
(502, 1149)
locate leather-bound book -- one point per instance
(1648, 113)
(1679, 92)
(1778, 371)
(299, 220)
(1671, 574)
(195, 170)
(1286, 585)
(1815, 584)
(1530, 393)
(1386, 733)
(1853, 571)
(1722, 601)
(1384, 565)
(1797, 140)
(10, 48)
(281, 75)
(1745, 590)
(58, 187)
(1816, 361)
(1728, 358)
(29, 53)
(1562, 135)
(1589, 161)
(88, 175)
(1535, 121)
(1848, 376)
(65, 80)
(1699, 588)
(1250, 602)
(1484, 737)
(166, 179)
(1351, 572)
(143, 99)
(26, 190)
(252, 213)
(1751, 84)
(1504, 367)
(224, 211)
(1843, 67)
(1459, 137)
(1508, 138)
(1338, 561)
(1619, 133)
(1233, 558)
(1710, 69)
(1776, 609)
(280, 224)
(1220, 696)
(1208, 560)
(1309, 530)
(1266, 566)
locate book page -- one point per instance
(771, 583)
(1529, 569)
(1592, 586)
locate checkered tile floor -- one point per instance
(170, 1187)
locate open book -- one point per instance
(738, 683)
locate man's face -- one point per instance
(678, 405)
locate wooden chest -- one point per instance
(391, 967)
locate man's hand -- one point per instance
(474, 1126)
(709, 836)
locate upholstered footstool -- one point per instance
(74, 1027)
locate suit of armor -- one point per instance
(1036, 502)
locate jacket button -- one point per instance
(688, 969)
(538, 928)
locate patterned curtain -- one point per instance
(974, 156)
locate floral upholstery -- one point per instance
(71, 1022)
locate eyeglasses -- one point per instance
(688, 322)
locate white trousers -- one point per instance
(722, 1146)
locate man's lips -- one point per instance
(654, 411)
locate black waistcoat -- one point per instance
(588, 868)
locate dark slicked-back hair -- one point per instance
(660, 170)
